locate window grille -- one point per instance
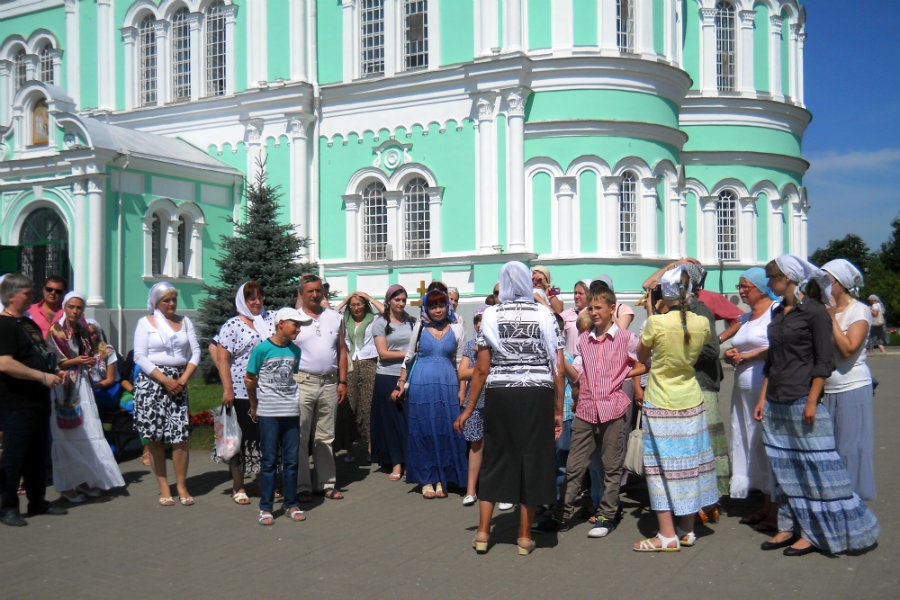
(215, 49)
(181, 56)
(375, 234)
(417, 219)
(725, 33)
(726, 226)
(21, 68)
(625, 25)
(156, 245)
(147, 57)
(628, 214)
(371, 18)
(47, 63)
(416, 34)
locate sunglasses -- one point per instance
(51, 290)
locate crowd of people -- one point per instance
(534, 411)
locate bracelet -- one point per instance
(342, 383)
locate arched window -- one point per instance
(20, 68)
(215, 49)
(416, 34)
(416, 219)
(183, 247)
(43, 246)
(375, 226)
(46, 54)
(147, 61)
(181, 55)
(371, 43)
(726, 225)
(725, 35)
(628, 213)
(625, 25)
(156, 246)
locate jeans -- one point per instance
(275, 432)
(25, 453)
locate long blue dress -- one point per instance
(434, 452)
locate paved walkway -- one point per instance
(384, 541)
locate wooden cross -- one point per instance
(421, 289)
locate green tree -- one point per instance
(885, 284)
(851, 247)
(890, 250)
(262, 249)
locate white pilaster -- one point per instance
(515, 204)
(775, 23)
(608, 215)
(793, 54)
(106, 56)
(257, 63)
(747, 230)
(352, 203)
(350, 31)
(73, 52)
(486, 28)
(392, 199)
(647, 218)
(32, 66)
(163, 62)
(669, 26)
(195, 265)
(673, 221)
(512, 25)
(643, 22)
(170, 255)
(198, 79)
(804, 228)
(775, 227)
(606, 28)
(561, 27)
(565, 228)
(708, 234)
(435, 199)
(97, 247)
(801, 42)
(129, 36)
(5, 91)
(56, 57)
(678, 36)
(300, 168)
(299, 39)
(230, 48)
(393, 37)
(485, 172)
(253, 129)
(745, 52)
(708, 83)
(79, 232)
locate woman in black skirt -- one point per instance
(518, 363)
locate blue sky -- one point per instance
(852, 88)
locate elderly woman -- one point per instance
(167, 352)
(237, 339)
(848, 390)
(877, 340)
(750, 466)
(817, 507)
(83, 463)
(519, 363)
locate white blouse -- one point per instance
(151, 352)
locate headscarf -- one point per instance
(696, 273)
(427, 319)
(874, 298)
(61, 333)
(757, 276)
(543, 271)
(605, 279)
(846, 274)
(801, 272)
(157, 292)
(671, 283)
(62, 317)
(260, 323)
(2, 299)
(515, 283)
(393, 290)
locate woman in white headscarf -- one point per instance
(83, 463)
(237, 338)
(519, 362)
(817, 507)
(167, 352)
(848, 391)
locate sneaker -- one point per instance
(602, 528)
(505, 505)
(470, 499)
(13, 519)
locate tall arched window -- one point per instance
(215, 49)
(156, 246)
(181, 55)
(371, 42)
(416, 34)
(375, 226)
(726, 225)
(628, 213)
(20, 68)
(725, 35)
(625, 25)
(46, 54)
(148, 61)
(416, 219)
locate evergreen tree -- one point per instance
(262, 249)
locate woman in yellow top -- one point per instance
(678, 461)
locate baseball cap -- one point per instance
(291, 314)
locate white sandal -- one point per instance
(685, 538)
(648, 545)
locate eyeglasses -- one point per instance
(51, 290)
(741, 286)
(318, 328)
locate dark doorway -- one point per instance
(44, 246)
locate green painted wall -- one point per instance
(278, 39)
(690, 201)
(659, 26)
(610, 149)
(691, 35)
(585, 22)
(761, 48)
(601, 104)
(587, 211)
(87, 13)
(762, 228)
(329, 25)
(542, 189)
(457, 31)
(741, 138)
(501, 180)
(539, 19)
(785, 55)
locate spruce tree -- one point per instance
(261, 249)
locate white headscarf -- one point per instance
(157, 292)
(846, 274)
(260, 323)
(801, 272)
(66, 298)
(671, 284)
(515, 283)
(2, 299)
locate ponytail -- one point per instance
(683, 290)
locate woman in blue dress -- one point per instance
(435, 453)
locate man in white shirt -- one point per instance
(322, 383)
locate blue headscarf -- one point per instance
(757, 276)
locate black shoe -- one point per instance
(767, 545)
(13, 519)
(48, 509)
(800, 551)
(550, 524)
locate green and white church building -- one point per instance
(411, 139)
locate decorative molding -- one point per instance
(599, 128)
(756, 159)
(698, 110)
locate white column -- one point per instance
(435, 198)
(566, 230)
(512, 25)
(5, 91)
(299, 39)
(73, 52)
(198, 56)
(775, 23)
(708, 83)
(230, 49)
(745, 52)
(394, 24)
(352, 203)
(163, 60)
(647, 217)
(804, 227)
(32, 66)
(350, 32)
(56, 57)
(515, 203)
(643, 21)
(257, 62)
(300, 167)
(486, 26)
(129, 35)
(106, 56)
(669, 25)
(801, 42)
(195, 265)
(793, 54)
(678, 37)
(79, 232)
(747, 230)
(394, 224)
(708, 233)
(561, 27)
(673, 220)
(608, 244)
(170, 254)
(775, 227)
(606, 29)
(485, 173)
(253, 129)
(97, 247)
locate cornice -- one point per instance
(24, 7)
(599, 128)
(750, 112)
(755, 159)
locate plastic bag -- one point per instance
(228, 433)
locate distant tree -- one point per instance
(852, 247)
(261, 249)
(890, 250)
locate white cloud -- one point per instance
(861, 160)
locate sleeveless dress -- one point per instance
(434, 452)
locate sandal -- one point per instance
(186, 500)
(428, 492)
(166, 501)
(711, 517)
(395, 476)
(480, 543)
(240, 497)
(266, 518)
(333, 494)
(648, 545)
(526, 546)
(296, 514)
(439, 491)
(685, 538)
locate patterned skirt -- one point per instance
(717, 441)
(679, 464)
(812, 487)
(159, 417)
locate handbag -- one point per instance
(227, 433)
(634, 449)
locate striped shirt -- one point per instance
(602, 365)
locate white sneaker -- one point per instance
(470, 499)
(602, 528)
(505, 505)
